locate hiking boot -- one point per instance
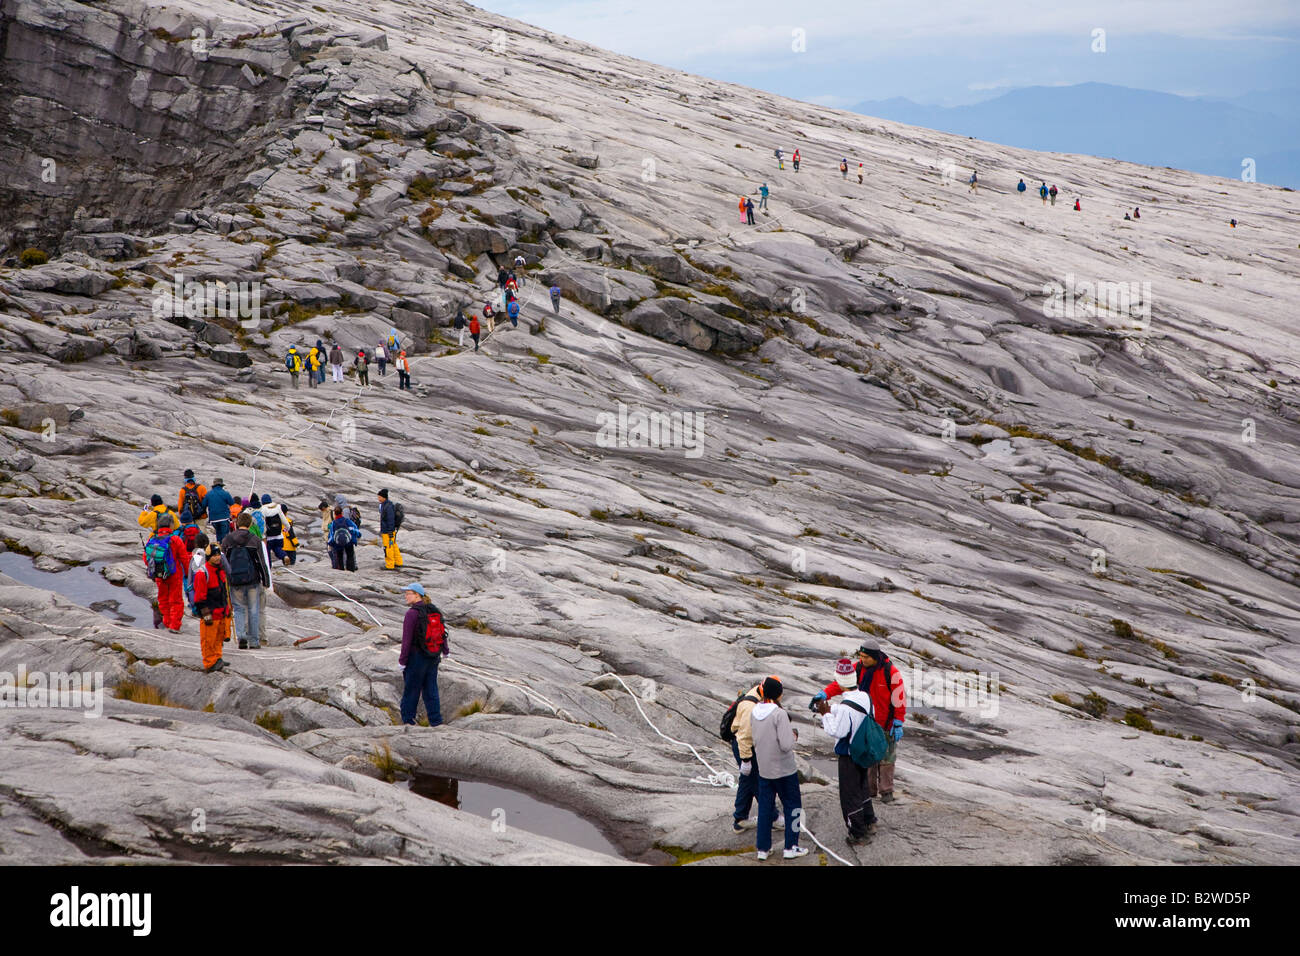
(852, 840)
(740, 826)
(887, 797)
(243, 645)
(220, 665)
(794, 853)
(762, 855)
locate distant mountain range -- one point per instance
(1199, 134)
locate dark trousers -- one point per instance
(383, 366)
(421, 679)
(221, 529)
(363, 374)
(787, 788)
(855, 797)
(403, 378)
(475, 338)
(749, 215)
(555, 304)
(746, 786)
(343, 557)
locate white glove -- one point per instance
(745, 767)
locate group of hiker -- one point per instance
(313, 362)
(866, 723)
(503, 303)
(223, 574)
(1047, 194)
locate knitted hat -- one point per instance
(872, 652)
(155, 501)
(845, 675)
(266, 499)
(189, 474)
(772, 688)
(383, 492)
(186, 517)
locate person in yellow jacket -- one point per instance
(315, 361)
(293, 362)
(290, 543)
(149, 517)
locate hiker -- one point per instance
(844, 168)
(512, 310)
(336, 362)
(424, 644)
(512, 284)
(188, 531)
(390, 521)
(150, 516)
(489, 316)
(193, 539)
(273, 519)
(762, 197)
(742, 748)
(556, 293)
(974, 181)
(165, 558)
(1232, 223)
(237, 508)
(212, 600)
(502, 276)
(1127, 217)
(1020, 187)
(795, 159)
(1136, 214)
(343, 538)
(381, 358)
(293, 362)
(1052, 192)
(459, 325)
(249, 575)
(393, 343)
(403, 371)
(1077, 207)
(841, 721)
(1042, 193)
(780, 158)
(362, 364)
(217, 503)
(474, 330)
(197, 557)
(878, 676)
(290, 541)
(778, 776)
(749, 211)
(191, 497)
(321, 358)
(313, 367)
(859, 174)
(742, 209)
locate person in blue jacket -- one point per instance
(217, 503)
(512, 310)
(1021, 188)
(343, 538)
(762, 197)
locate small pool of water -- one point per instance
(998, 448)
(81, 585)
(514, 809)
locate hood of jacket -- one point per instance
(272, 509)
(763, 710)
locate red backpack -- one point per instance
(190, 535)
(435, 632)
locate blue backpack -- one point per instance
(158, 558)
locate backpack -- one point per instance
(341, 536)
(399, 515)
(434, 638)
(724, 729)
(392, 341)
(460, 321)
(355, 514)
(274, 526)
(290, 538)
(158, 558)
(243, 570)
(193, 503)
(288, 360)
(869, 743)
(190, 535)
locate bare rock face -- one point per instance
(733, 451)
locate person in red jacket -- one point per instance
(212, 598)
(171, 589)
(474, 329)
(878, 676)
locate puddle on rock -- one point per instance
(515, 809)
(81, 585)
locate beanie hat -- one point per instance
(383, 492)
(845, 675)
(771, 688)
(189, 474)
(155, 500)
(266, 499)
(186, 516)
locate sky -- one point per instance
(944, 52)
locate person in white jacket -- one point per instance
(778, 776)
(841, 720)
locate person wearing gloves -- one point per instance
(841, 720)
(742, 748)
(778, 776)
(424, 644)
(880, 679)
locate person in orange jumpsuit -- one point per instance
(212, 598)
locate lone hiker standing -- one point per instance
(165, 559)
(841, 721)
(556, 292)
(762, 197)
(217, 503)
(859, 174)
(974, 181)
(389, 524)
(778, 776)
(795, 159)
(742, 748)
(1020, 188)
(878, 676)
(424, 645)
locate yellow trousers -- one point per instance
(392, 554)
